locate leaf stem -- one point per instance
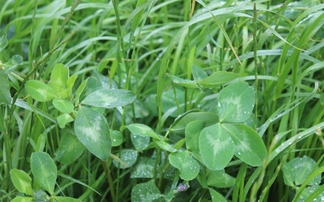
(110, 181)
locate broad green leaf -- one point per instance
(64, 119)
(59, 77)
(3, 41)
(116, 138)
(218, 178)
(216, 147)
(249, 146)
(145, 192)
(236, 102)
(70, 82)
(127, 156)
(140, 142)
(44, 171)
(216, 197)
(12, 63)
(137, 110)
(92, 84)
(184, 82)
(91, 128)
(181, 122)
(105, 81)
(198, 73)
(166, 146)
(141, 129)
(192, 132)
(22, 199)
(143, 168)
(40, 91)
(63, 105)
(22, 181)
(40, 196)
(70, 149)
(217, 79)
(311, 193)
(66, 199)
(297, 170)
(188, 166)
(65, 93)
(5, 96)
(109, 98)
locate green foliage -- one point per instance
(91, 128)
(300, 171)
(145, 192)
(22, 181)
(161, 100)
(5, 96)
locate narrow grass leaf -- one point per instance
(217, 79)
(3, 41)
(295, 139)
(236, 102)
(216, 147)
(91, 128)
(249, 147)
(22, 181)
(5, 96)
(145, 192)
(44, 171)
(109, 98)
(30, 107)
(188, 166)
(40, 91)
(222, 29)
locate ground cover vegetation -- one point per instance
(155, 100)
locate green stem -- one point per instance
(255, 64)
(110, 181)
